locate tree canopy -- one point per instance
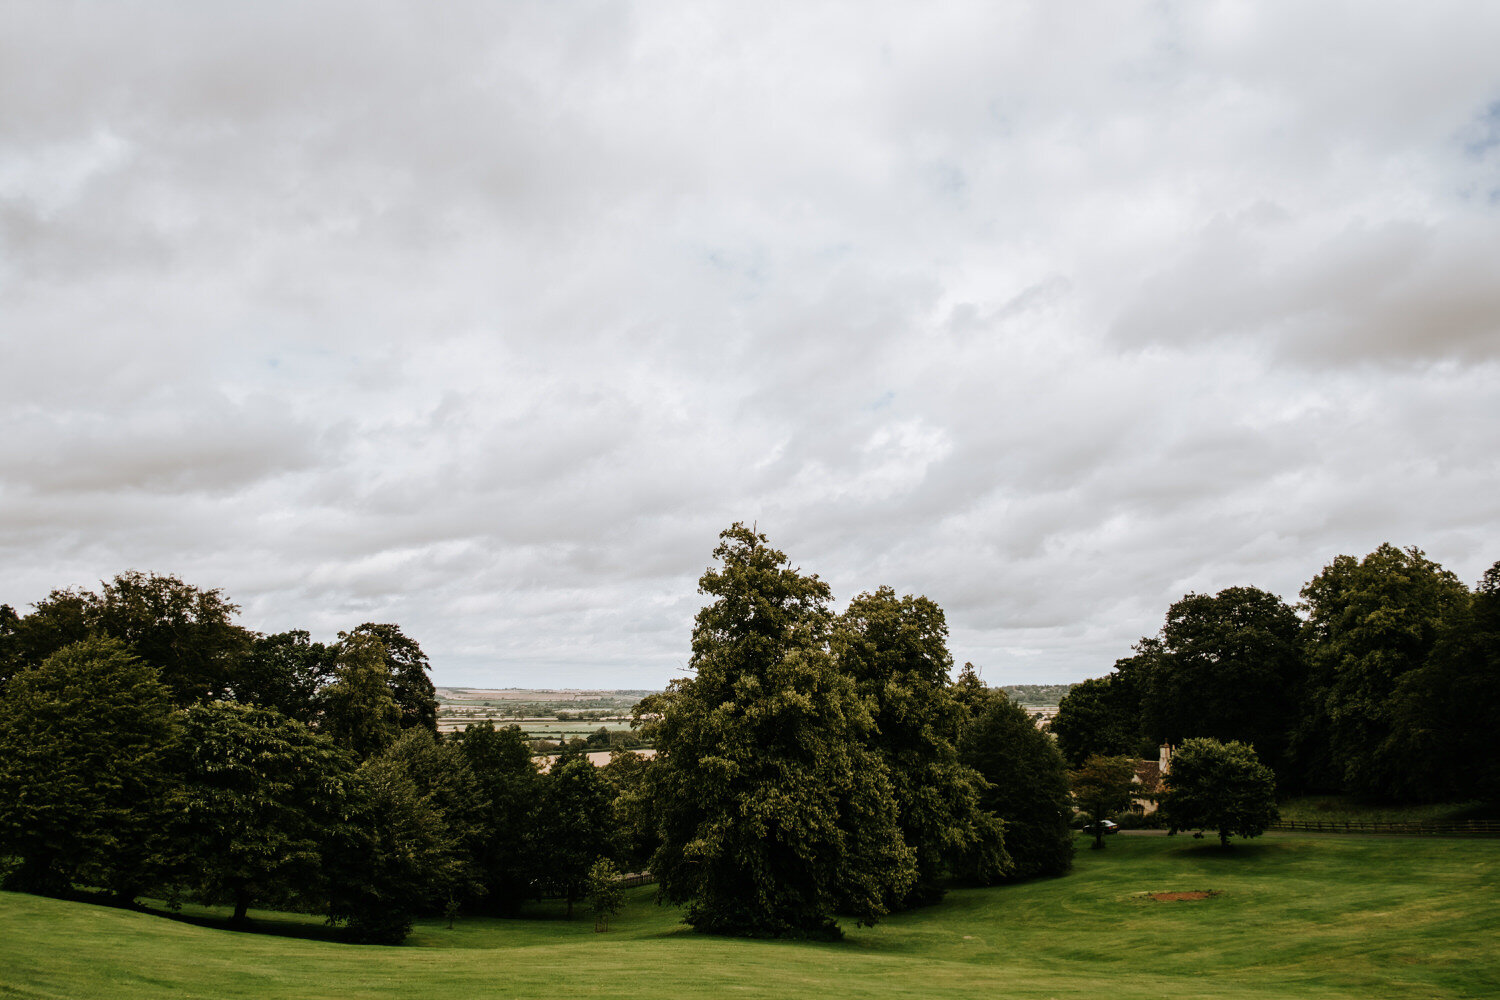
(1229, 667)
(1026, 784)
(1370, 622)
(259, 798)
(774, 813)
(896, 650)
(1102, 716)
(82, 776)
(359, 711)
(1219, 786)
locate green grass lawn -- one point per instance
(1294, 917)
(1338, 808)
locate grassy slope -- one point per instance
(1355, 917)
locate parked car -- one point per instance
(1109, 827)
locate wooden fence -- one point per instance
(1459, 828)
(554, 890)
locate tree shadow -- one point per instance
(306, 930)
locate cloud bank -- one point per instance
(485, 319)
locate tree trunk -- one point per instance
(241, 904)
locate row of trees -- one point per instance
(1384, 682)
(819, 765)
(150, 746)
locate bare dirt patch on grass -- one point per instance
(1182, 897)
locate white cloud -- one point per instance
(486, 320)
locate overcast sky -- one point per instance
(486, 318)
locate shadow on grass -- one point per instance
(305, 929)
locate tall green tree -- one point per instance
(1102, 716)
(259, 798)
(394, 856)
(773, 811)
(186, 632)
(1229, 667)
(573, 826)
(1219, 786)
(1026, 782)
(406, 670)
(502, 764)
(82, 776)
(1370, 622)
(358, 710)
(444, 779)
(1446, 725)
(896, 650)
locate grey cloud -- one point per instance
(1396, 293)
(487, 319)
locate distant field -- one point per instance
(1294, 916)
(535, 710)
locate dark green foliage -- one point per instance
(11, 660)
(395, 855)
(1103, 716)
(260, 797)
(82, 779)
(1446, 724)
(1370, 622)
(1027, 785)
(60, 619)
(183, 631)
(501, 763)
(633, 817)
(444, 780)
(1101, 788)
(359, 712)
(1219, 786)
(285, 672)
(1228, 667)
(406, 668)
(896, 651)
(774, 813)
(573, 826)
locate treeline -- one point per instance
(815, 767)
(150, 747)
(1383, 682)
(1036, 695)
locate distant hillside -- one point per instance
(1036, 694)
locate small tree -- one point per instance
(1101, 787)
(605, 894)
(1221, 786)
